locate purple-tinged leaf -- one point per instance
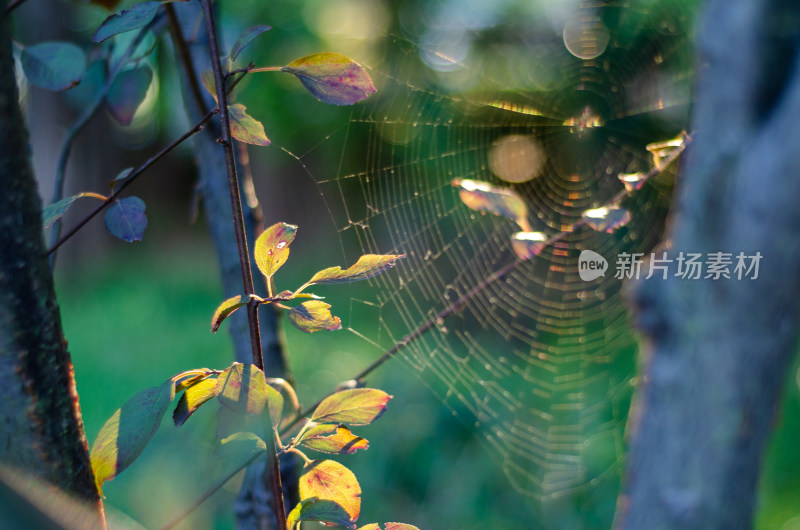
(243, 388)
(138, 16)
(126, 219)
(53, 65)
(272, 247)
(225, 309)
(314, 315)
(246, 38)
(367, 266)
(244, 127)
(607, 219)
(327, 480)
(319, 510)
(127, 93)
(632, 181)
(484, 197)
(359, 406)
(334, 439)
(192, 399)
(332, 78)
(528, 244)
(388, 526)
(124, 436)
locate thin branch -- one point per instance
(133, 176)
(233, 181)
(139, 170)
(77, 127)
(12, 6)
(183, 52)
(244, 256)
(209, 492)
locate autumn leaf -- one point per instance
(332, 78)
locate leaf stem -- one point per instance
(266, 69)
(273, 466)
(209, 492)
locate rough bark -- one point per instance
(719, 350)
(253, 510)
(41, 431)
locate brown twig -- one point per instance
(244, 255)
(133, 176)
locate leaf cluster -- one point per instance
(271, 252)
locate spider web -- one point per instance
(542, 362)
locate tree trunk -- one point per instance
(720, 349)
(40, 422)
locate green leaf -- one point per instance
(244, 127)
(138, 16)
(243, 442)
(127, 93)
(244, 388)
(367, 266)
(53, 65)
(227, 308)
(126, 219)
(192, 399)
(314, 315)
(57, 210)
(359, 406)
(246, 38)
(124, 436)
(124, 41)
(272, 247)
(484, 197)
(332, 78)
(326, 480)
(333, 439)
(319, 510)
(121, 177)
(389, 526)
(528, 244)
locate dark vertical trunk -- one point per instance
(41, 431)
(720, 349)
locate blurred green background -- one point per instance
(136, 314)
